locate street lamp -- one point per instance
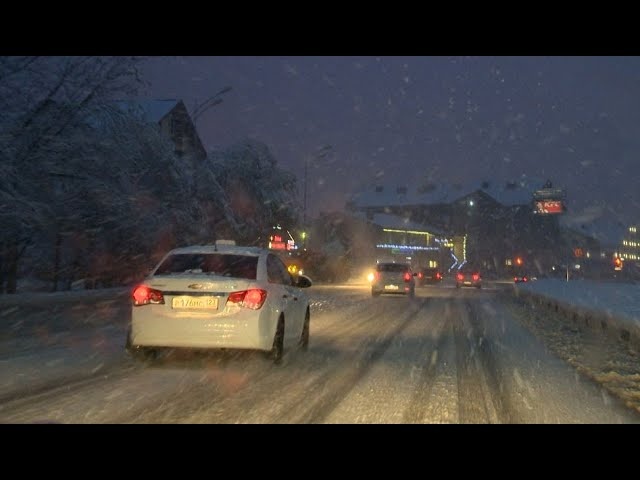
(210, 102)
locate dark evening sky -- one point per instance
(574, 120)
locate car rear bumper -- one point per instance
(246, 330)
(401, 290)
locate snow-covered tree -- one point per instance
(255, 194)
(45, 101)
(89, 190)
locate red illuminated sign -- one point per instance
(549, 206)
(276, 243)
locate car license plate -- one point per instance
(198, 303)
(391, 287)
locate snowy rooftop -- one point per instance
(508, 193)
(605, 228)
(386, 220)
(151, 110)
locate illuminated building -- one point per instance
(630, 246)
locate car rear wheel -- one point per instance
(304, 338)
(277, 350)
(139, 353)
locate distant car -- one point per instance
(393, 278)
(468, 277)
(219, 296)
(428, 276)
(523, 278)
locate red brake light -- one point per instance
(143, 295)
(438, 275)
(460, 276)
(407, 277)
(420, 275)
(476, 277)
(253, 298)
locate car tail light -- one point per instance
(253, 298)
(460, 276)
(420, 275)
(515, 279)
(143, 295)
(407, 277)
(524, 279)
(476, 277)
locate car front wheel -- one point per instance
(277, 350)
(304, 338)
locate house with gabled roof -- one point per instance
(175, 122)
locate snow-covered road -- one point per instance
(449, 356)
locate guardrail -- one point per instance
(40, 298)
(599, 320)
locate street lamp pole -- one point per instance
(304, 207)
(207, 104)
(321, 153)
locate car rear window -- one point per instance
(226, 265)
(392, 267)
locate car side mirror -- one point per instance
(303, 281)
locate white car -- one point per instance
(392, 277)
(219, 296)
